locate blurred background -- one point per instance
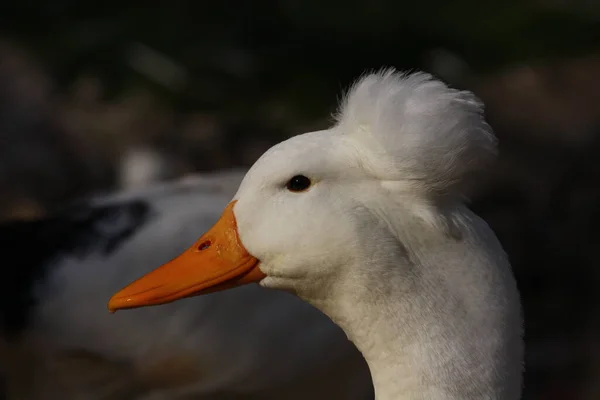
(111, 95)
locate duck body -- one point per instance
(367, 221)
(246, 343)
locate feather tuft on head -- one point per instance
(417, 131)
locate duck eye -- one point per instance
(298, 183)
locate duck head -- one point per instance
(326, 208)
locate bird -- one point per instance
(368, 221)
(58, 342)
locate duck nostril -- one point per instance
(204, 245)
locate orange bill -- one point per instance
(217, 261)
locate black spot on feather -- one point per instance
(29, 249)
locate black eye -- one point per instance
(298, 183)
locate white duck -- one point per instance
(367, 222)
(248, 343)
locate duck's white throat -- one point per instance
(444, 325)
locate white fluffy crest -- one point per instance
(417, 130)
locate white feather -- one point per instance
(416, 130)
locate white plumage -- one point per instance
(414, 129)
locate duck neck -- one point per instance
(436, 329)
(397, 351)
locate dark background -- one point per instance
(91, 93)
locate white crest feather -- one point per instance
(417, 130)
